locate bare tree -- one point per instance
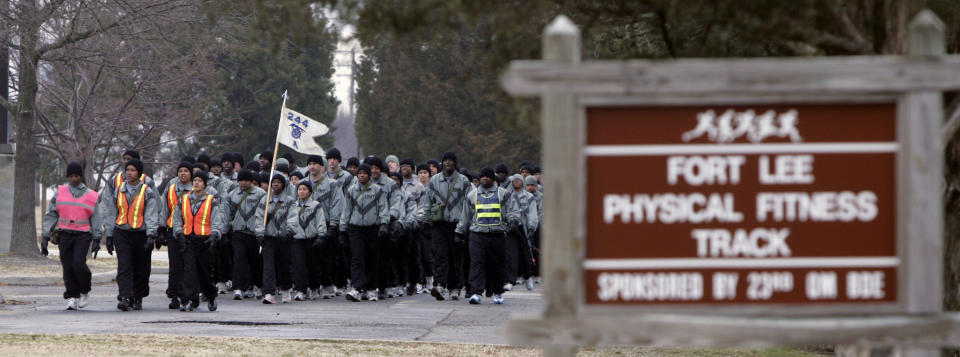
(37, 32)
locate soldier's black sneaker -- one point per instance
(125, 304)
(174, 304)
(138, 304)
(212, 305)
(438, 293)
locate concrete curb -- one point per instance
(98, 278)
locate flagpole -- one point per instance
(276, 146)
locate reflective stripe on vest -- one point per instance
(171, 203)
(74, 212)
(117, 181)
(131, 215)
(488, 209)
(199, 223)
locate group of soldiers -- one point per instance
(268, 230)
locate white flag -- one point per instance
(297, 132)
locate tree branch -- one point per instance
(75, 37)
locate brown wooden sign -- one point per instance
(741, 204)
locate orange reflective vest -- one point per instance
(119, 180)
(171, 203)
(133, 214)
(197, 223)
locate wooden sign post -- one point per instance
(741, 202)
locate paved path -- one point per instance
(416, 318)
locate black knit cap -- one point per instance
(136, 163)
(395, 174)
(306, 184)
(74, 168)
(448, 155)
(526, 167)
(297, 174)
(315, 158)
(280, 177)
(186, 164)
(204, 158)
(423, 167)
(433, 162)
(525, 163)
(536, 170)
(245, 175)
(189, 159)
(200, 174)
(132, 153)
(284, 168)
(215, 162)
(333, 153)
(363, 167)
(409, 162)
(463, 171)
(264, 177)
(237, 157)
(351, 161)
(487, 172)
(267, 155)
(227, 156)
(252, 166)
(502, 168)
(198, 165)
(375, 161)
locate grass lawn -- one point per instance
(167, 345)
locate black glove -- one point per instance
(383, 231)
(260, 239)
(342, 238)
(161, 240)
(148, 245)
(211, 243)
(179, 237)
(95, 247)
(396, 227)
(110, 245)
(333, 233)
(514, 228)
(43, 246)
(459, 238)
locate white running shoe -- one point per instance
(455, 294)
(328, 292)
(257, 292)
(299, 296)
(83, 301)
(353, 295)
(221, 288)
(419, 288)
(529, 283)
(72, 304)
(237, 295)
(391, 292)
(269, 300)
(313, 294)
(372, 295)
(498, 299)
(285, 296)
(507, 287)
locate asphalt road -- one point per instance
(416, 318)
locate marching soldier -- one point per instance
(276, 241)
(378, 175)
(74, 217)
(176, 188)
(344, 178)
(502, 173)
(488, 213)
(446, 192)
(411, 242)
(134, 213)
(198, 223)
(241, 205)
(326, 249)
(365, 216)
(227, 163)
(519, 255)
(353, 166)
(306, 220)
(536, 190)
(426, 243)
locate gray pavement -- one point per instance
(40, 309)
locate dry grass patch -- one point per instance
(166, 345)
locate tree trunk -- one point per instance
(24, 233)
